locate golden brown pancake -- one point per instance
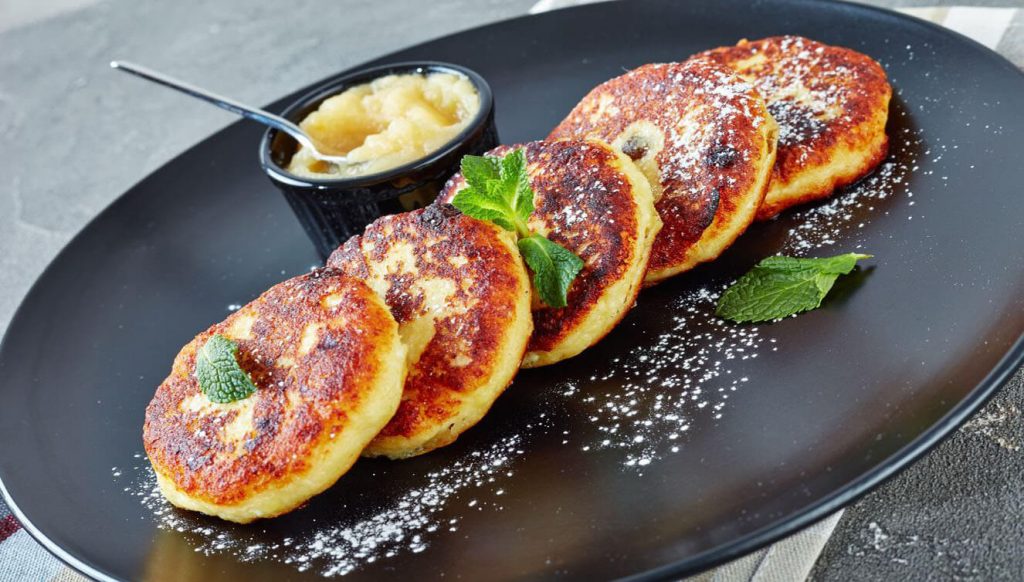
(831, 104)
(328, 364)
(594, 201)
(460, 293)
(704, 139)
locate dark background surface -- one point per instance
(957, 513)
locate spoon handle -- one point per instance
(264, 117)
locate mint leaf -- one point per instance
(780, 286)
(478, 170)
(488, 195)
(220, 376)
(498, 190)
(838, 265)
(554, 268)
(483, 206)
(514, 179)
(764, 295)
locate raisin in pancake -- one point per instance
(595, 202)
(461, 296)
(831, 104)
(704, 139)
(328, 364)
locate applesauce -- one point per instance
(388, 122)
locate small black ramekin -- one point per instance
(331, 211)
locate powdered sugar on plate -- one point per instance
(660, 387)
(665, 384)
(835, 220)
(406, 525)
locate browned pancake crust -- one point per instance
(582, 202)
(850, 83)
(711, 157)
(295, 410)
(489, 285)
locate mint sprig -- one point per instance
(221, 379)
(498, 190)
(554, 268)
(780, 286)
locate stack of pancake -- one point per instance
(413, 329)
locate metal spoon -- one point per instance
(264, 117)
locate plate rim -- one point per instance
(886, 469)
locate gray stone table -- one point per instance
(67, 124)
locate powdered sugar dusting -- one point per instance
(406, 525)
(720, 115)
(662, 387)
(812, 90)
(835, 221)
(658, 389)
(797, 124)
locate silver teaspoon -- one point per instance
(264, 117)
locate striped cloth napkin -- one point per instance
(21, 558)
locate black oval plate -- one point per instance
(674, 444)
